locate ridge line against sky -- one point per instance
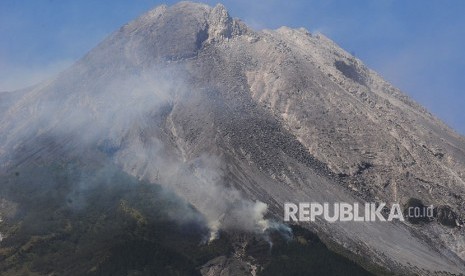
(416, 45)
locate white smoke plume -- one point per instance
(121, 118)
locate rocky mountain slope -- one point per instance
(237, 122)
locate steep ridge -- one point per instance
(276, 115)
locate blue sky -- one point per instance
(417, 45)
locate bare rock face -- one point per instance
(447, 216)
(289, 116)
(221, 24)
(224, 266)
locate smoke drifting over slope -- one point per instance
(120, 118)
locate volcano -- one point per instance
(225, 124)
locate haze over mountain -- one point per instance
(237, 122)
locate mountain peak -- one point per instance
(175, 32)
(221, 25)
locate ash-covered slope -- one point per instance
(232, 118)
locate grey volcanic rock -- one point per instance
(282, 115)
(223, 266)
(446, 216)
